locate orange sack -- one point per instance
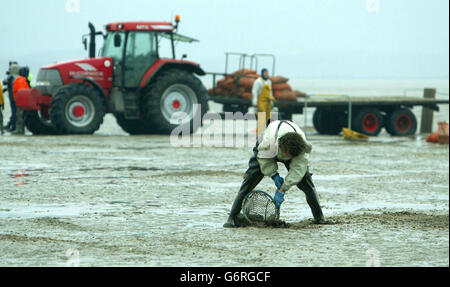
(433, 138)
(247, 95)
(217, 91)
(245, 82)
(282, 87)
(244, 71)
(242, 82)
(228, 83)
(239, 92)
(285, 95)
(220, 82)
(279, 80)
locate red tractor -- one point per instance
(146, 93)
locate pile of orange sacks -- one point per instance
(240, 84)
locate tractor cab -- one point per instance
(134, 47)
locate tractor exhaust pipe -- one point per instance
(92, 41)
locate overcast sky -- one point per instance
(312, 39)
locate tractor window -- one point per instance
(141, 53)
(165, 46)
(141, 45)
(109, 50)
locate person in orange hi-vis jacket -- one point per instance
(20, 83)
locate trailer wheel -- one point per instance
(401, 122)
(38, 124)
(171, 101)
(368, 121)
(326, 122)
(285, 116)
(77, 109)
(133, 127)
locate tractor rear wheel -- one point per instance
(38, 124)
(401, 122)
(77, 109)
(368, 121)
(175, 98)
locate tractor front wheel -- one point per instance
(77, 109)
(38, 124)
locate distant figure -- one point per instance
(12, 73)
(2, 103)
(20, 83)
(262, 98)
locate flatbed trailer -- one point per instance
(367, 115)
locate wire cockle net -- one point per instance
(258, 206)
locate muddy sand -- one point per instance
(115, 200)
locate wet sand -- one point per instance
(115, 200)
(137, 201)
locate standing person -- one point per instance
(262, 98)
(29, 77)
(282, 141)
(20, 83)
(2, 103)
(12, 73)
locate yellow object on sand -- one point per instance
(352, 135)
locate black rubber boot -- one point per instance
(307, 186)
(230, 223)
(252, 177)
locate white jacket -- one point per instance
(269, 153)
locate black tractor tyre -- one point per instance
(368, 121)
(38, 125)
(174, 91)
(133, 127)
(77, 109)
(401, 122)
(327, 122)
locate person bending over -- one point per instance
(285, 142)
